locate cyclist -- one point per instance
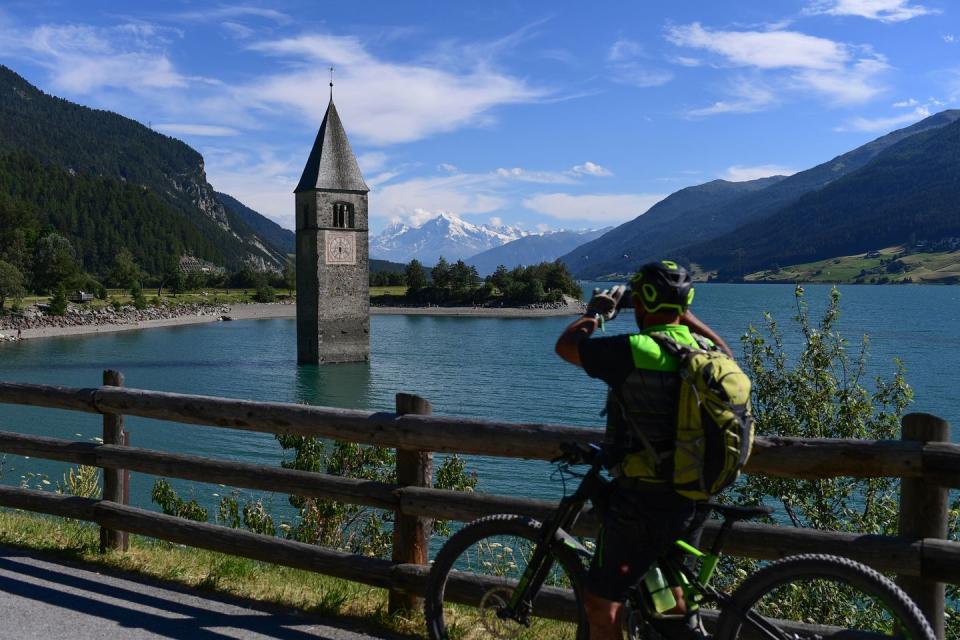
(643, 515)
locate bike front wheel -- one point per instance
(820, 596)
(476, 572)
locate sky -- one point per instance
(543, 115)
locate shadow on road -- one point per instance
(163, 609)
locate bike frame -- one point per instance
(696, 588)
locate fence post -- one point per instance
(112, 478)
(125, 536)
(411, 534)
(923, 514)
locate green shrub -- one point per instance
(265, 293)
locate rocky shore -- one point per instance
(34, 323)
(80, 320)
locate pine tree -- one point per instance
(58, 303)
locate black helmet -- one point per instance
(662, 285)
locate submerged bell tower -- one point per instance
(333, 273)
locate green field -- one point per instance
(890, 265)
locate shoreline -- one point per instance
(265, 311)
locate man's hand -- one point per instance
(604, 303)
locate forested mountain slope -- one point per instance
(911, 191)
(92, 146)
(714, 209)
(669, 224)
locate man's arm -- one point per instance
(568, 344)
(699, 326)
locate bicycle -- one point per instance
(513, 570)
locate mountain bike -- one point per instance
(504, 576)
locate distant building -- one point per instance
(80, 296)
(192, 264)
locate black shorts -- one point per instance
(638, 527)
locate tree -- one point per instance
(500, 279)
(136, 292)
(58, 303)
(125, 270)
(440, 274)
(11, 283)
(463, 276)
(416, 276)
(290, 275)
(54, 261)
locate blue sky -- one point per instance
(540, 114)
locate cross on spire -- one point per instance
(331, 84)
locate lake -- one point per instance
(479, 367)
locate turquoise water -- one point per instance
(479, 367)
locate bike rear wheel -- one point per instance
(820, 596)
(476, 572)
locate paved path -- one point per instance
(47, 598)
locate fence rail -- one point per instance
(923, 561)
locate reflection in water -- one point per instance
(344, 385)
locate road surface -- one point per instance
(46, 598)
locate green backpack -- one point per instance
(714, 422)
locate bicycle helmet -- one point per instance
(661, 286)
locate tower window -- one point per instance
(343, 215)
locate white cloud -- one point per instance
(741, 173)
(496, 221)
(949, 38)
(237, 30)
(763, 49)
(885, 124)
(540, 177)
(593, 207)
(185, 129)
(590, 169)
(746, 96)
(461, 193)
(82, 59)
(624, 49)
(912, 102)
(845, 74)
(387, 102)
(882, 10)
(625, 61)
(371, 161)
(446, 167)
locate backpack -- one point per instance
(715, 426)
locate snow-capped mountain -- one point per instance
(533, 249)
(445, 235)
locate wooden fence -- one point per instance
(921, 556)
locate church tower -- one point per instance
(333, 274)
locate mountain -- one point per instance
(279, 239)
(909, 191)
(445, 235)
(713, 209)
(668, 224)
(103, 148)
(533, 249)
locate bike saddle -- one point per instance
(736, 512)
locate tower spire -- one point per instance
(331, 84)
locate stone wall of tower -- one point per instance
(333, 300)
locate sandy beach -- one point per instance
(268, 311)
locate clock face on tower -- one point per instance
(340, 247)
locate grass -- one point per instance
(216, 572)
(871, 268)
(206, 296)
(398, 290)
(223, 574)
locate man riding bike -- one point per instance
(643, 515)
